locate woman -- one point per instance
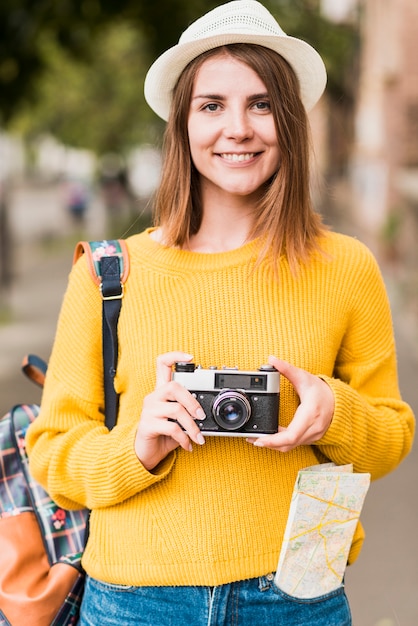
(187, 528)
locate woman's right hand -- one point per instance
(166, 411)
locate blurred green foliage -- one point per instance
(75, 26)
(97, 105)
(75, 68)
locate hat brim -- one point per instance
(165, 71)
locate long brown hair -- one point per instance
(285, 218)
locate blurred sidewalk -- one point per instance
(382, 585)
(34, 300)
(43, 239)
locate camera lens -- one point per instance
(231, 409)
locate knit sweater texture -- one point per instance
(216, 514)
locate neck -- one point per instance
(226, 224)
(221, 231)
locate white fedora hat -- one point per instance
(239, 21)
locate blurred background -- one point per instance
(80, 159)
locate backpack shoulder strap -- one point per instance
(96, 250)
(108, 262)
(34, 368)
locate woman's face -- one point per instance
(232, 135)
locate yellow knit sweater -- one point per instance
(216, 514)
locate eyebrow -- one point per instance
(214, 96)
(208, 96)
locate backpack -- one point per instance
(41, 544)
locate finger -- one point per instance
(279, 441)
(253, 439)
(295, 375)
(174, 392)
(165, 362)
(162, 433)
(187, 419)
(176, 413)
(174, 402)
(173, 431)
(274, 442)
(288, 438)
(302, 430)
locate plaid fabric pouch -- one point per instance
(41, 580)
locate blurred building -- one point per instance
(384, 171)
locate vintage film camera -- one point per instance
(237, 403)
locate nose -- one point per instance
(238, 126)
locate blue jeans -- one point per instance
(255, 602)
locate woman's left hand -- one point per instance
(313, 415)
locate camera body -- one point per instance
(236, 403)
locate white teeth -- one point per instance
(237, 157)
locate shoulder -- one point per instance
(350, 267)
(344, 244)
(143, 243)
(348, 251)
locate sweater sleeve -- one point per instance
(372, 427)
(71, 452)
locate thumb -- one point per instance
(165, 363)
(293, 374)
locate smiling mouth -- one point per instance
(238, 158)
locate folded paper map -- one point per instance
(324, 512)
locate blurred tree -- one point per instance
(338, 44)
(74, 25)
(99, 105)
(75, 68)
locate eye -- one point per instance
(262, 105)
(211, 107)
